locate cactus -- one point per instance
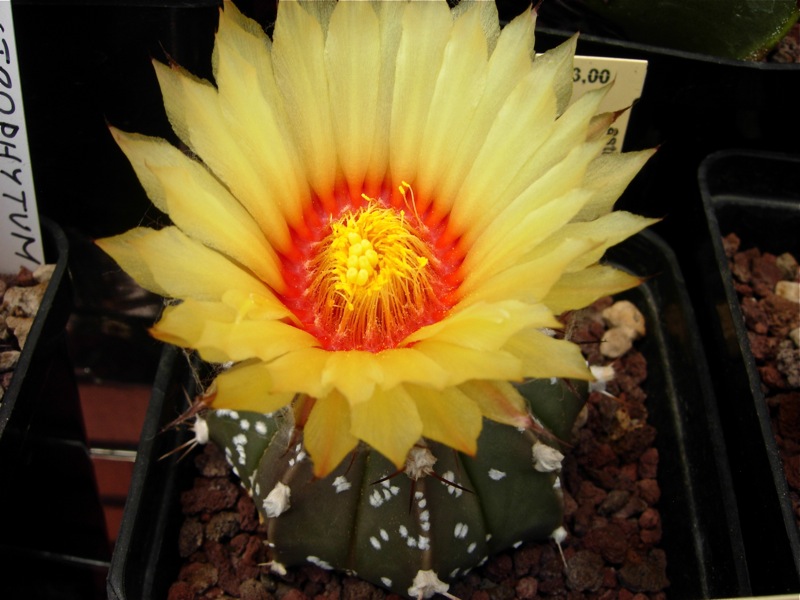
(409, 531)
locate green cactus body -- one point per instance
(410, 531)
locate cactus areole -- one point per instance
(384, 207)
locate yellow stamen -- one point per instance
(371, 279)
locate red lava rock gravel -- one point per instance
(611, 494)
(769, 319)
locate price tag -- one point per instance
(628, 75)
(20, 235)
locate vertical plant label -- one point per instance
(20, 235)
(627, 75)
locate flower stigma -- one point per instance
(373, 279)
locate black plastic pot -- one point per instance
(53, 541)
(701, 535)
(756, 196)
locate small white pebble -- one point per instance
(616, 342)
(625, 314)
(790, 290)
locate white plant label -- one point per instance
(20, 235)
(591, 72)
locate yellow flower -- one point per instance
(387, 204)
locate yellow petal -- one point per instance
(248, 387)
(299, 372)
(609, 229)
(171, 264)
(521, 126)
(508, 64)
(543, 356)
(515, 234)
(205, 210)
(297, 54)
(426, 29)
(194, 110)
(448, 416)
(354, 373)
(484, 326)
(579, 289)
(214, 330)
(499, 401)
(352, 60)
(463, 364)
(464, 68)
(555, 66)
(530, 280)
(254, 113)
(326, 434)
(408, 365)
(390, 16)
(607, 177)
(388, 422)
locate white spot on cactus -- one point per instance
(461, 530)
(375, 498)
(387, 494)
(291, 462)
(277, 568)
(384, 535)
(298, 448)
(386, 581)
(483, 561)
(496, 474)
(341, 484)
(557, 484)
(239, 439)
(375, 543)
(426, 585)
(471, 547)
(422, 503)
(257, 487)
(425, 516)
(412, 542)
(424, 542)
(200, 429)
(277, 501)
(244, 424)
(546, 458)
(451, 489)
(488, 536)
(234, 415)
(319, 562)
(553, 380)
(419, 495)
(261, 428)
(403, 531)
(301, 456)
(426, 526)
(453, 573)
(516, 545)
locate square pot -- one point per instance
(756, 196)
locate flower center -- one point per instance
(373, 281)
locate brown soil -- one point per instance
(611, 498)
(769, 318)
